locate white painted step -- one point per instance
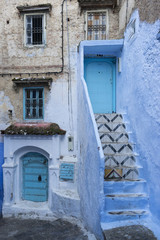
(113, 117)
(111, 127)
(117, 148)
(113, 137)
(120, 159)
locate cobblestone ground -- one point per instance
(17, 229)
(134, 232)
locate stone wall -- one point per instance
(149, 11)
(18, 60)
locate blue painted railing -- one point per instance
(1, 173)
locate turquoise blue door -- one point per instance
(99, 74)
(35, 177)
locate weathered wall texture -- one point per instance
(149, 11)
(126, 8)
(15, 57)
(138, 94)
(113, 23)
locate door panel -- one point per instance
(35, 177)
(100, 79)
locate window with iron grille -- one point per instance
(34, 32)
(33, 103)
(96, 25)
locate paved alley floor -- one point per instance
(134, 232)
(22, 229)
(18, 229)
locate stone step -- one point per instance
(118, 148)
(111, 127)
(122, 215)
(104, 118)
(113, 137)
(114, 160)
(126, 201)
(130, 173)
(125, 187)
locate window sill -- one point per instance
(35, 46)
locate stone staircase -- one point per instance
(125, 193)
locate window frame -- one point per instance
(132, 29)
(86, 23)
(44, 30)
(24, 106)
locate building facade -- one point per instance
(55, 57)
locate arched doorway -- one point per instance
(35, 177)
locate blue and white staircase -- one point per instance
(126, 196)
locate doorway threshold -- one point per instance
(29, 210)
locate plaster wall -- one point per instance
(149, 11)
(138, 95)
(91, 160)
(126, 8)
(17, 58)
(63, 199)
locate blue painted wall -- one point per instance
(138, 95)
(1, 173)
(91, 162)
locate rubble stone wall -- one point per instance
(18, 60)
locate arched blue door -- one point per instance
(35, 177)
(100, 78)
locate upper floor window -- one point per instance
(34, 29)
(33, 103)
(96, 25)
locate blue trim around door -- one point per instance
(100, 76)
(35, 177)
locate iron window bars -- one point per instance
(35, 29)
(96, 25)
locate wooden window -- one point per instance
(96, 25)
(34, 29)
(33, 103)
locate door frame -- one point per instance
(112, 61)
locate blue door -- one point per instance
(100, 78)
(35, 177)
